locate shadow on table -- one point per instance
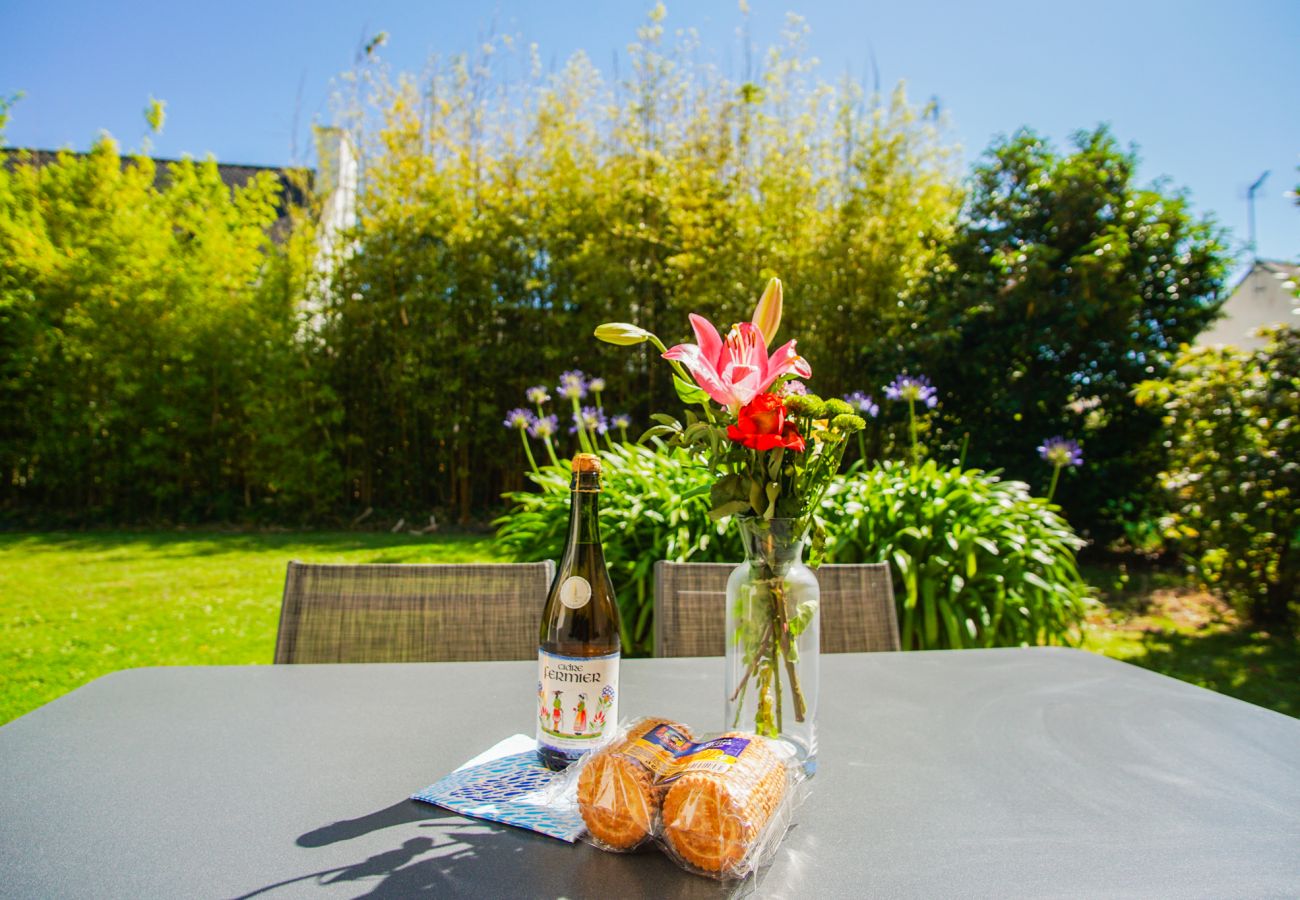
(455, 856)
(397, 814)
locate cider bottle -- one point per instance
(579, 646)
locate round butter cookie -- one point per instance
(712, 821)
(616, 796)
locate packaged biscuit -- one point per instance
(719, 806)
(617, 795)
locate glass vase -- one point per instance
(774, 637)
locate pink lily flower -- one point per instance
(735, 371)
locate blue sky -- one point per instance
(1208, 90)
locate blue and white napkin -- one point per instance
(508, 784)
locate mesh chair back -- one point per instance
(411, 613)
(857, 608)
(691, 608)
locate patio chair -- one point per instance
(857, 608)
(411, 613)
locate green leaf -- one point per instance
(694, 433)
(773, 490)
(665, 419)
(803, 615)
(774, 463)
(689, 393)
(656, 431)
(731, 507)
(729, 488)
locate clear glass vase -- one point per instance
(773, 638)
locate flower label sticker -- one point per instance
(575, 592)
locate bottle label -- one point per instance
(669, 754)
(575, 593)
(577, 699)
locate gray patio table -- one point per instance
(969, 773)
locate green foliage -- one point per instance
(6, 105)
(155, 114)
(1233, 422)
(655, 505)
(150, 365)
(1068, 285)
(977, 561)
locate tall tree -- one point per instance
(1069, 285)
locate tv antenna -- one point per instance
(1250, 213)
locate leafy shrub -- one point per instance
(977, 561)
(1234, 477)
(655, 506)
(150, 365)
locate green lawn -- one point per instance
(74, 606)
(1156, 620)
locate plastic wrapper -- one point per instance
(718, 805)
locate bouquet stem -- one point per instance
(781, 616)
(769, 609)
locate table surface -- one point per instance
(975, 773)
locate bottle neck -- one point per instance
(775, 544)
(584, 512)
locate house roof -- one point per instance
(1277, 268)
(295, 184)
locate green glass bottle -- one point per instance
(579, 646)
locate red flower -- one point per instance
(761, 425)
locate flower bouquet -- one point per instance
(773, 449)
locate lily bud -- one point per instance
(767, 315)
(624, 334)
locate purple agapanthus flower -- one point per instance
(862, 402)
(537, 394)
(573, 383)
(913, 388)
(544, 427)
(518, 418)
(793, 389)
(596, 384)
(1059, 452)
(591, 419)
(620, 421)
